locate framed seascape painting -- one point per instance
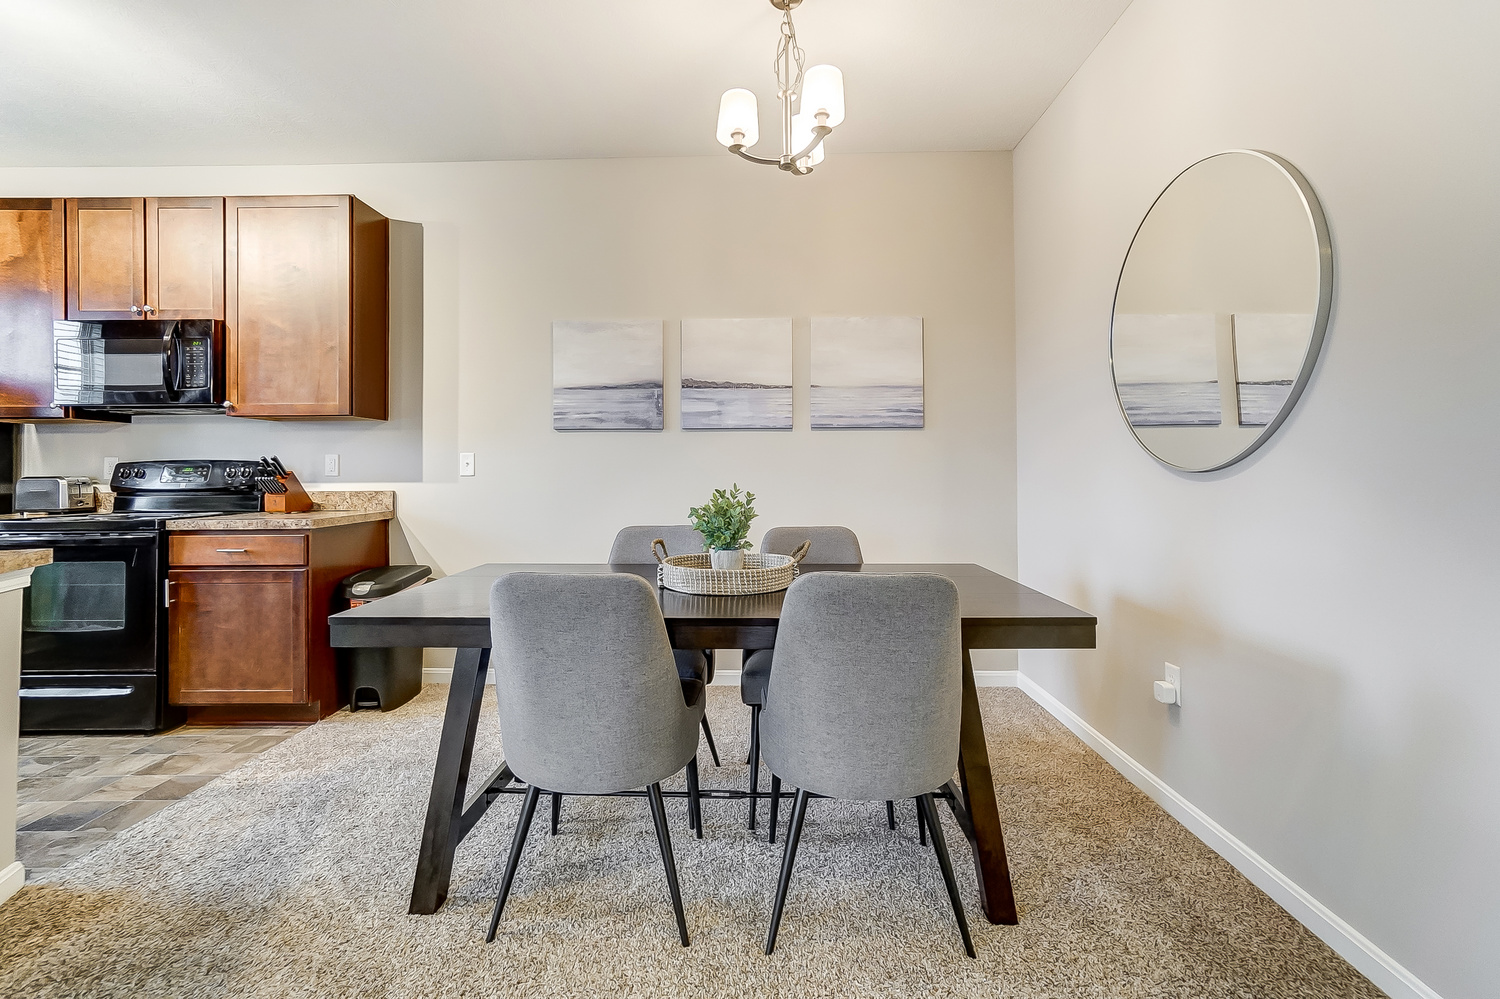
(1269, 349)
(1166, 369)
(867, 372)
(737, 374)
(607, 375)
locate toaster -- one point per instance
(53, 494)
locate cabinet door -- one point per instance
(106, 258)
(288, 306)
(185, 258)
(237, 636)
(31, 297)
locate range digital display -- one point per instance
(195, 474)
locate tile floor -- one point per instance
(76, 791)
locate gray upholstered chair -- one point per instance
(830, 546)
(633, 547)
(865, 701)
(590, 700)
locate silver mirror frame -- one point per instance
(1314, 211)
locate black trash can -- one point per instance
(381, 678)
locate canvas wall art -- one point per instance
(737, 374)
(1269, 349)
(867, 372)
(1167, 369)
(607, 375)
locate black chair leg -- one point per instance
(708, 734)
(775, 804)
(528, 809)
(788, 860)
(926, 806)
(754, 761)
(695, 804)
(890, 815)
(921, 823)
(664, 840)
(556, 810)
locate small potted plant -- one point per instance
(724, 521)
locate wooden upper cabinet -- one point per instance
(106, 258)
(306, 307)
(31, 297)
(185, 258)
(145, 258)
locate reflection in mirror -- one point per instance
(1221, 307)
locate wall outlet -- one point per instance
(108, 471)
(466, 463)
(331, 464)
(1169, 691)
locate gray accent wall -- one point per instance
(1331, 600)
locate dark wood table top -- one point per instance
(454, 612)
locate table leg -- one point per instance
(444, 825)
(986, 839)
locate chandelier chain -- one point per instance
(790, 89)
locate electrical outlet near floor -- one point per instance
(331, 464)
(466, 463)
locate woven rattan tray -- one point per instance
(695, 573)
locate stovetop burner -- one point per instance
(149, 493)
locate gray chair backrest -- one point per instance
(589, 697)
(633, 544)
(830, 545)
(865, 698)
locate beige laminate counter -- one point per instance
(331, 508)
(25, 558)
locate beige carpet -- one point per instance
(289, 877)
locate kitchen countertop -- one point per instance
(23, 558)
(331, 508)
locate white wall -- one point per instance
(1332, 599)
(509, 247)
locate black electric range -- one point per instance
(93, 626)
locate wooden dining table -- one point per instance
(454, 612)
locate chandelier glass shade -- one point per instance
(818, 94)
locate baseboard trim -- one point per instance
(12, 877)
(997, 678)
(1353, 946)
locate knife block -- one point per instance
(294, 500)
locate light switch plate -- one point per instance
(331, 464)
(466, 463)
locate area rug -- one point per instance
(290, 876)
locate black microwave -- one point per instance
(139, 365)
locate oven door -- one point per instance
(91, 633)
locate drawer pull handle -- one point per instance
(228, 550)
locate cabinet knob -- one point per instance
(147, 309)
(135, 309)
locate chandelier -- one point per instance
(819, 93)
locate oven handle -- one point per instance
(61, 540)
(76, 691)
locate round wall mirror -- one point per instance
(1221, 308)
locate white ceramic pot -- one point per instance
(728, 558)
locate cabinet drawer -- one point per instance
(237, 549)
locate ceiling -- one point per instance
(187, 82)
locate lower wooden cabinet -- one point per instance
(248, 620)
(238, 636)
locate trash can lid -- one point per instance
(384, 580)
